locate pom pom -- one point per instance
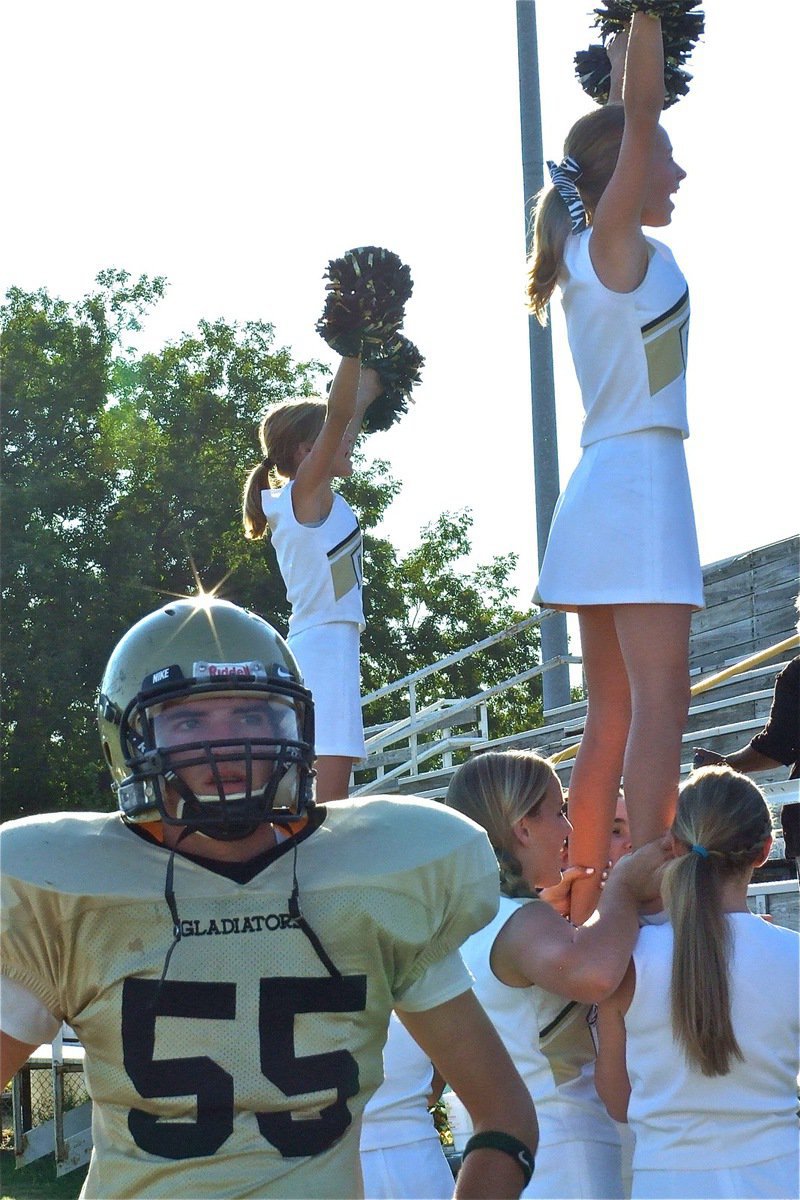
(399, 372)
(593, 69)
(681, 27)
(365, 305)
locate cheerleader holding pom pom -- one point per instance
(622, 550)
(307, 444)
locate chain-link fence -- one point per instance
(40, 1112)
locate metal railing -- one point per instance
(711, 681)
(414, 735)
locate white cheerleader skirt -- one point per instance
(328, 657)
(580, 1170)
(623, 529)
(775, 1179)
(416, 1171)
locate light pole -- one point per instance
(555, 683)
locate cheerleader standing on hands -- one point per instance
(622, 550)
(317, 540)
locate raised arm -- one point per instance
(616, 49)
(618, 248)
(536, 946)
(311, 494)
(369, 388)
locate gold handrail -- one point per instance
(710, 681)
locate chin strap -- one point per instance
(296, 914)
(169, 896)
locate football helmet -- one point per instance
(162, 676)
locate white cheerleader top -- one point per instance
(321, 564)
(549, 1041)
(397, 1114)
(629, 348)
(684, 1120)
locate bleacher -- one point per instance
(750, 609)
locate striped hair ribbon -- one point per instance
(564, 177)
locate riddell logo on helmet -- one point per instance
(230, 670)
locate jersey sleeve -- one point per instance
(445, 886)
(443, 981)
(30, 939)
(23, 1016)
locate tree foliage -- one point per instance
(123, 475)
(423, 607)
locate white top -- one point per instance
(629, 348)
(558, 1070)
(397, 1114)
(321, 564)
(683, 1119)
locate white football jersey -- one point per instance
(245, 1072)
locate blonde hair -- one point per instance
(725, 816)
(594, 142)
(281, 431)
(496, 789)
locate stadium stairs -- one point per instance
(750, 608)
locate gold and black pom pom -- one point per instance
(593, 68)
(681, 26)
(367, 290)
(680, 23)
(399, 371)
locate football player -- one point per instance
(228, 952)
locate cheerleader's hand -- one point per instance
(558, 895)
(640, 871)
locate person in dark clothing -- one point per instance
(777, 744)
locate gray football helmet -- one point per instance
(197, 649)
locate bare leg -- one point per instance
(595, 780)
(654, 639)
(333, 777)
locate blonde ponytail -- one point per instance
(724, 822)
(551, 228)
(253, 519)
(283, 429)
(593, 142)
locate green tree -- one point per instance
(122, 485)
(55, 371)
(424, 606)
(123, 477)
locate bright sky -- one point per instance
(236, 147)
